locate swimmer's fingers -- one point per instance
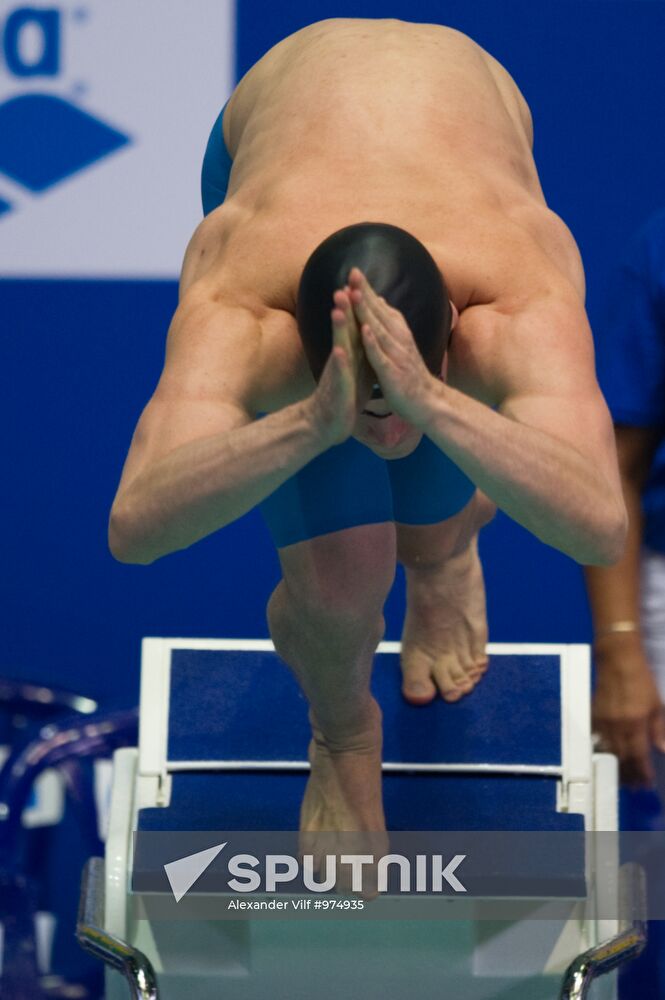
(377, 355)
(372, 308)
(395, 341)
(369, 308)
(346, 326)
(334, 401)
(347, 369)
(407, 385)
(342, 344)
(340, 331)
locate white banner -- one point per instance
(105, 112)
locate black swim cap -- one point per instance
(399, 268)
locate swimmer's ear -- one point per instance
(455, 316)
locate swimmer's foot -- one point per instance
(445, 630)
(342, 810)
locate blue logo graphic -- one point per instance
(45, 138)
(48, 23)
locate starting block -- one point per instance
(223, 747)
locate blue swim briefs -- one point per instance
(348, 485)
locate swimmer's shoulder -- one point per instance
(242, 352)
(202, 252)
(228, 326)
(494, 341)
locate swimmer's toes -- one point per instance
(480, 667)
(453, 680)
(419, 694)
(417, 685)
(477, 648)
(474, 667)
(452, 696)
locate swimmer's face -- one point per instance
(386, 434)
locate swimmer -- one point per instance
(381, 337)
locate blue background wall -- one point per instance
(80, 359)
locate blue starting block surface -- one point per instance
(245, 705)
(229, 726)
(260, 800)
(236, 736)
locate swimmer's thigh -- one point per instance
(332, 524)
(437, 508)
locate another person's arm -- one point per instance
(627, 710)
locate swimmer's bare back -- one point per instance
(352, 120)
(381, 120)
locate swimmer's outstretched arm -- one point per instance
(524, 458)
(199, 459)
(546, 454)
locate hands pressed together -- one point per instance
(371, 343)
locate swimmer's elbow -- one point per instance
(616, 533)
(124, 541)
(610, 538)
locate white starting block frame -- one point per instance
(586, 784)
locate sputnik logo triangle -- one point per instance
(183, 873)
